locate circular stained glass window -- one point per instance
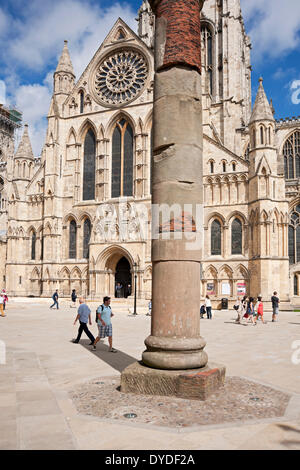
(121, 77)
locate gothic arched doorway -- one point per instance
(123, 284)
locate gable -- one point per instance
(92, 83)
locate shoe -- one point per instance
(94, 347)
(91, 343)
(75, 341)
(113, 350)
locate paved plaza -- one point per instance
(43, 367)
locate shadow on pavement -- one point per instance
(119, 360)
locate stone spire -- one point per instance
(146, 21)
(262, 110)
(25, 149)
(65, 63)
(64, 77)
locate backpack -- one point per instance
(102, 307)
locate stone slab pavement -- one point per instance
(42, 366)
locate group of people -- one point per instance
(252, 310)
(103, 320)
(3, 302)
(247, 308)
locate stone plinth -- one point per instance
(196, 384)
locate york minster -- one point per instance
(96, 161)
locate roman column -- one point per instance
(175, 362)
(175, 341)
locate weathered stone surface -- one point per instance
(195, 384)
(178, 26)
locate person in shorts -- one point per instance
(275, 306)
(104, 315)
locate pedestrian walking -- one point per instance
(250, 310)
(208, 307)
(244, 307)
(104, 315)
(275, 306)
(149, 308)
(55, 299)
(238, 306)
(5, 298)
(260, 309)
(1, 305)
(202, 310)
(84, 317)
(73, 298)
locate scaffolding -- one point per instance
(10, 116)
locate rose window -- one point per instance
(121, 77)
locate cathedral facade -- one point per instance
(76, 218)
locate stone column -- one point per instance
(175, 345)
(175, 341)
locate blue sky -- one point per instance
(32, 35)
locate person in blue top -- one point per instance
(84, 317)
(104, 315)
(55, 299)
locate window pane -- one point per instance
(89, 166)
(298, 166)
(286, 168)
(86, 238)
(128, 162)
(298, 243)
(291, 245)
(116, 164)
(33, 245)
(72, 240)
(236, 237)
(295, 285)
(216, 238)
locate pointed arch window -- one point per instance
(86, 238)
(207, 56)
(89, 166)
(296, 287)
(122, 160)
(236, 237)
(291, 156)
(81, 104)
(261, 135)
(33, 245)
(72, 239)
(216, 238)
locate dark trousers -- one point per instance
(208, 311)
(84, 327)
(55, 303)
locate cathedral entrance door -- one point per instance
(123, 279)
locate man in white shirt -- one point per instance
(208, 307)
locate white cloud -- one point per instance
(2, 92)
(37, 43)
(34, 101)
(39, 39)
(275, 26)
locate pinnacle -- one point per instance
(261, 109)
(65, 63)
(25, 148)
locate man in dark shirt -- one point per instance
(275, 306)
(55, 299)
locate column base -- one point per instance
(193, 384)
